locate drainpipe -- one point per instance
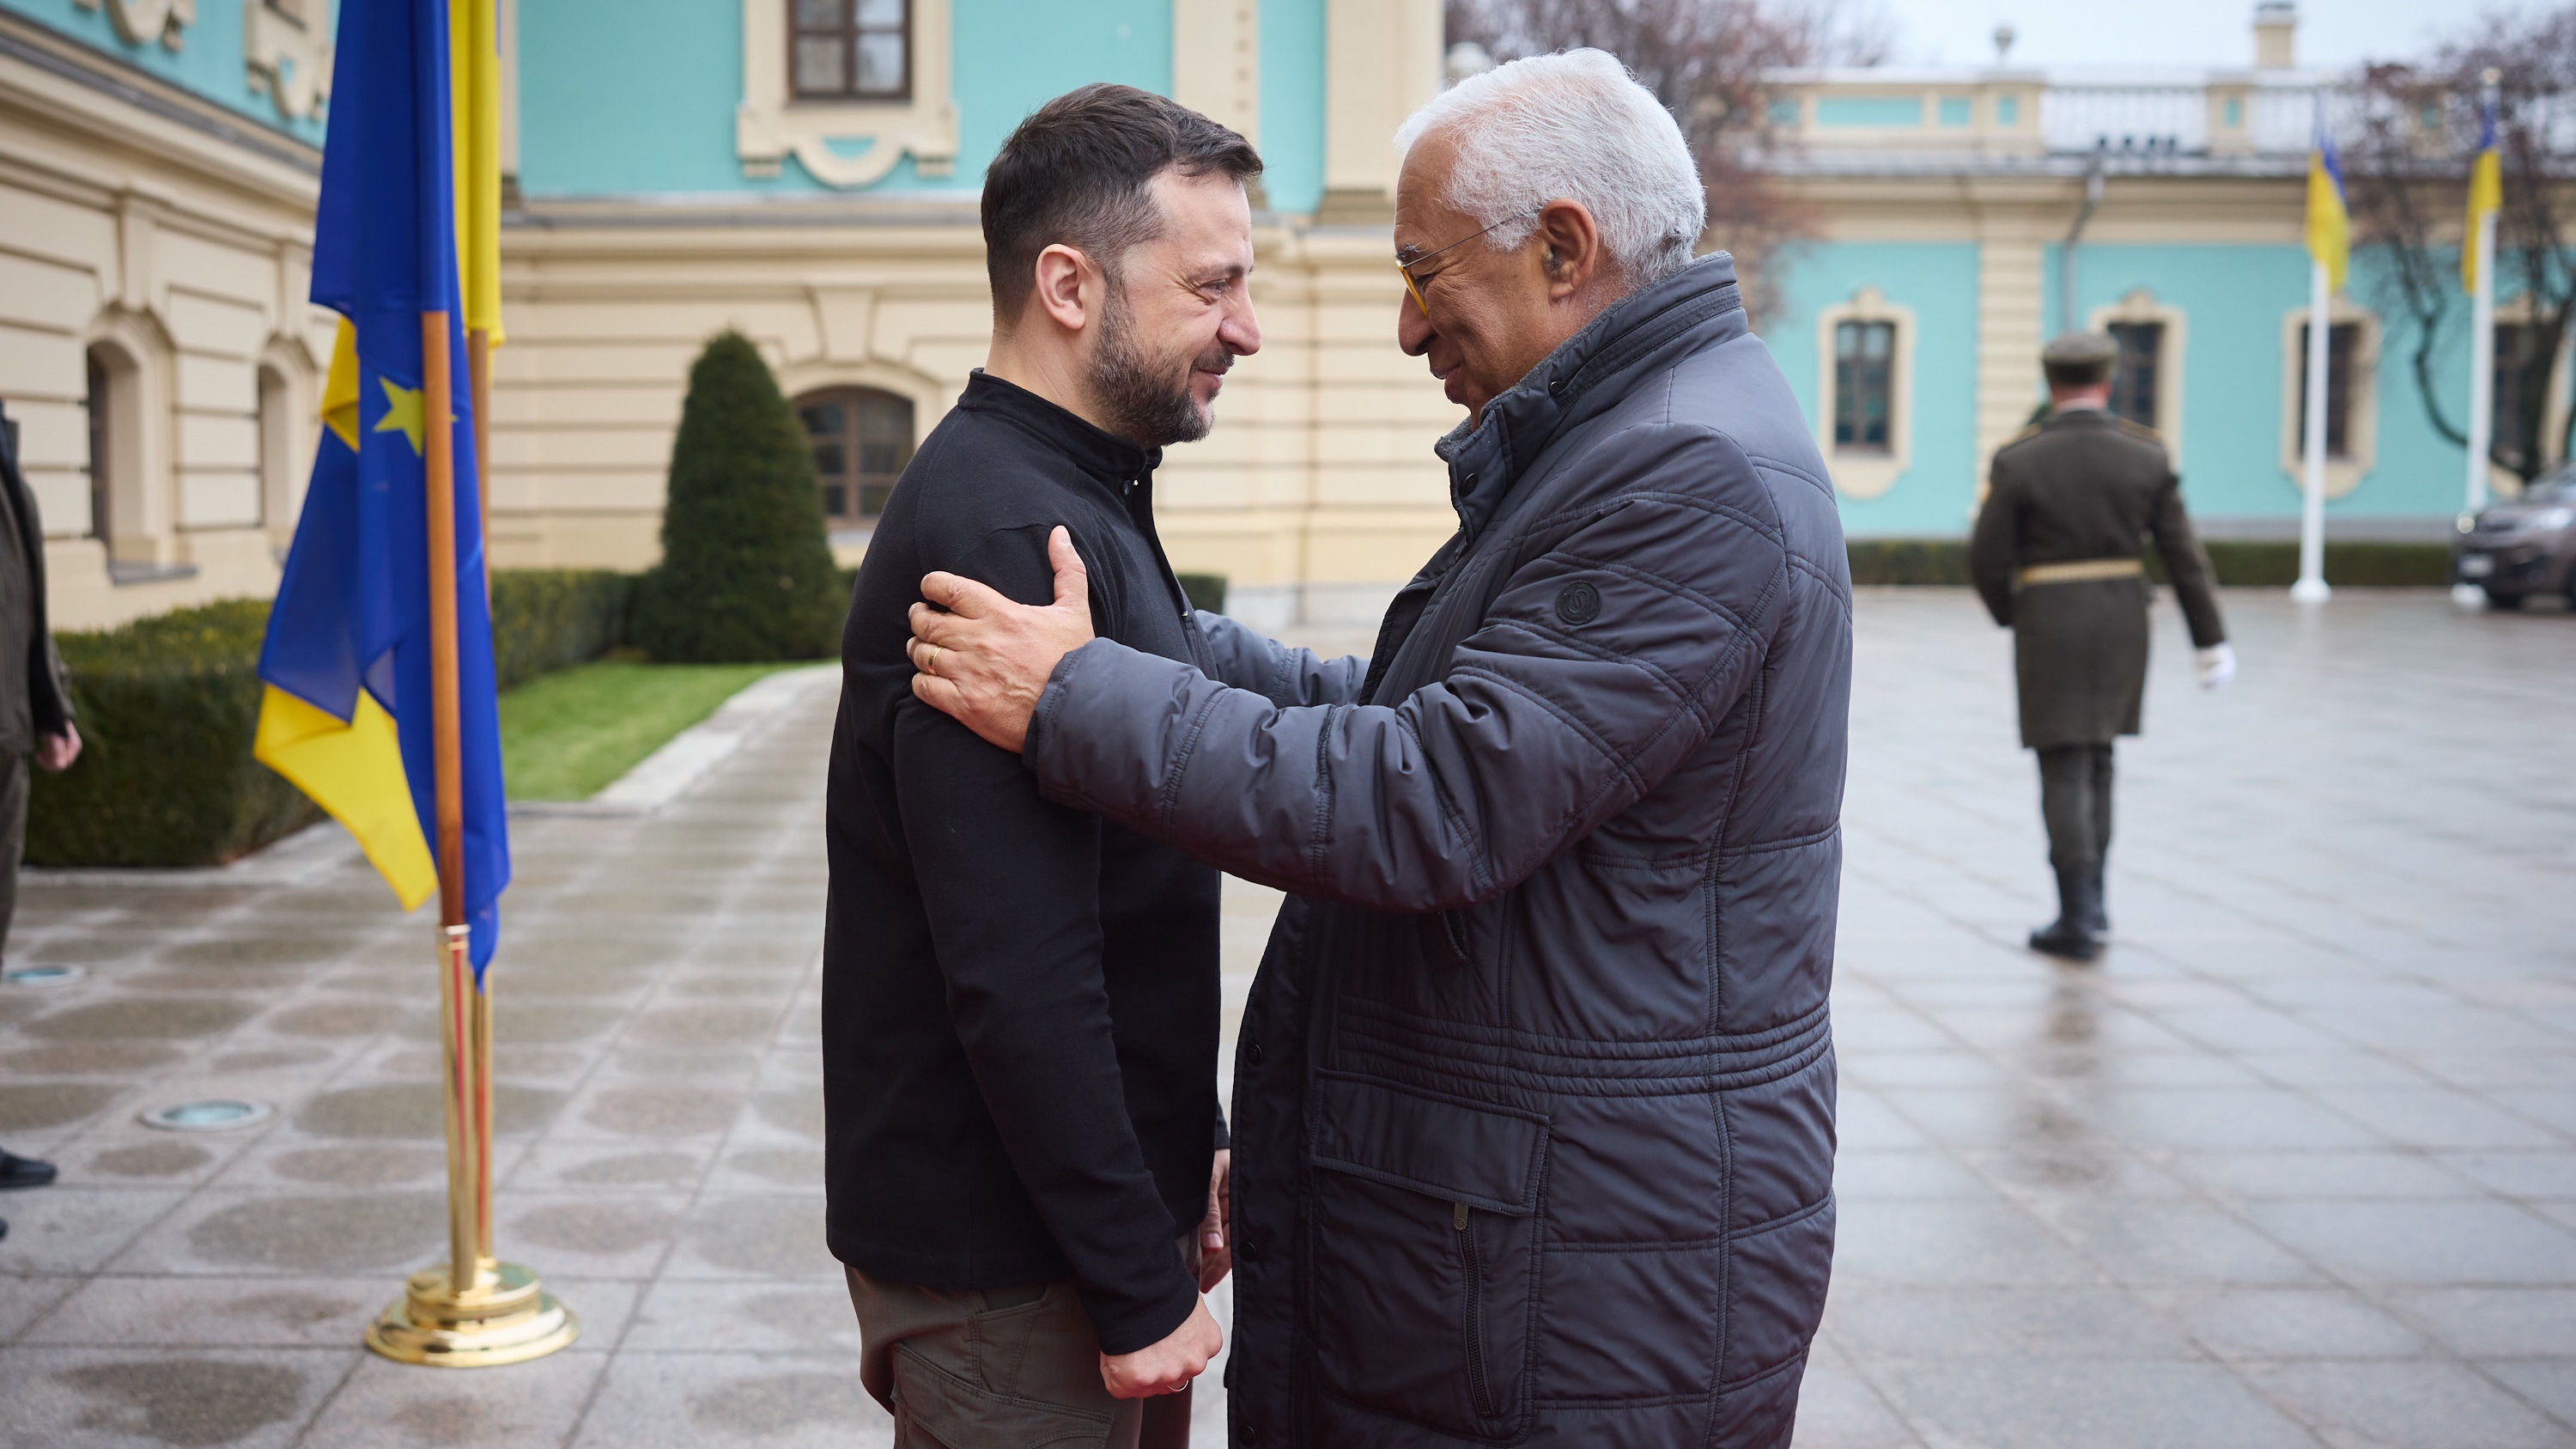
(2066, 252)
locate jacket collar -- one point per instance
(1104, 456)
(1587, 373)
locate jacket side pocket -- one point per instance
(1424, 1246)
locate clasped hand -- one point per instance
(987, 658)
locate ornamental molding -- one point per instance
(140, 22)
(1860, 472)
(288, 59)
(843, 144)
(2361, 400)
(2142, 305)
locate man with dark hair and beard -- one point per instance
(1020, 1002)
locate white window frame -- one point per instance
(2361, 409)
(1867, 474)
(2140, 305)
(771, 124)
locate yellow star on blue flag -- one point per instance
(403, 413)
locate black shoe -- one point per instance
(2070, 937)
(4, 1227)
(18, 1171)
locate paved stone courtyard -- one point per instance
(2294, 1164)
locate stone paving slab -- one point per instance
(2294, 1164)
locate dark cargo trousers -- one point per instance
(2075, 803)
(1001, 1368)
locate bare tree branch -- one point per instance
(2407, 181)
(1705, 60)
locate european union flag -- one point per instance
(348, 714)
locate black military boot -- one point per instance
(2097, 903)
(2071, 936)
(16, 1171)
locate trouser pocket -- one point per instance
(1423, 1290)
(936, 1409)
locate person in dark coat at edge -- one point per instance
(1024, 1152)
(1534, 1103)
(35, 709)
(2056, 555)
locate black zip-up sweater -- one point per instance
(1020, 1002)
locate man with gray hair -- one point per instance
(1533, 1132)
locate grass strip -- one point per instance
(566, 735)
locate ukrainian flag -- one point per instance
(347, 710)
(2486, 195)
(2329, 223)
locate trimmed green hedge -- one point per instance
(549, 619)
(2238, 564)
(1204, 591)
(168, 707)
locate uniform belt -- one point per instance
(2081, 570)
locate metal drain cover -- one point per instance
(216, 1114)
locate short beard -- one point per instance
(1138, 396)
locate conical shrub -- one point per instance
(746, 571)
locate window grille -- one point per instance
(862, 438)
(850, 50)
(1864, 385)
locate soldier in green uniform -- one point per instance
(2058, 557)
(35, 708)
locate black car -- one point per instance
(2524, 547)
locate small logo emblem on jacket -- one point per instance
(1578, 603)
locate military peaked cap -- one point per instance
(2079, 358)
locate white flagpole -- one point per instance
(2481, 361)
(2481, 387)
(2311, 587)
(2482, 364)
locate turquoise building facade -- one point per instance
(671, 173)
(1973, 214)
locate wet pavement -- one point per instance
(2295, 1163)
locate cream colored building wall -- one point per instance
(188, 255)
(1316, 495)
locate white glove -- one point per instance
(2215, 665)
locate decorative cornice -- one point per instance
(32, 45)
(140, 22)
(287, 59)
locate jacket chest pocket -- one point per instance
(1423, 1256)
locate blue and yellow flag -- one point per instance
(2329, 223)
(2486, 195)
(346, 714)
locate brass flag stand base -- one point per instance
(507, 1317)
(489, 1313)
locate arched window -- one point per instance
(862, 438)
(276, 444)
(104, 425)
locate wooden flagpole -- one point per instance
(475, 1312)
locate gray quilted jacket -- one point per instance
(1535, 1092)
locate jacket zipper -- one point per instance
(1465, 1223)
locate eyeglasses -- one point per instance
(1405, 268)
